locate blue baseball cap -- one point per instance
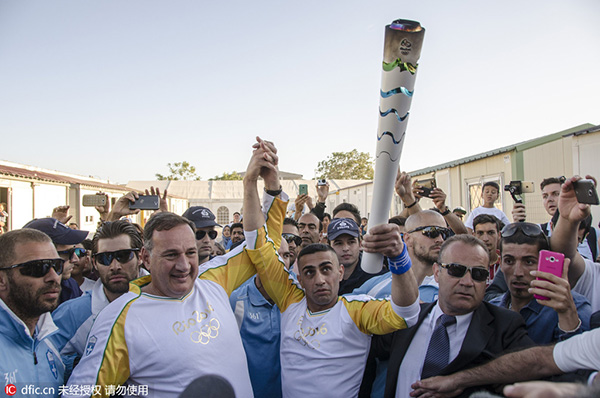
(57, 231)
(340, 226)
(201, 217)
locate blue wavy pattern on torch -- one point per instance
(391, 135)
(400, 118)
(397, 90)
(389, 154)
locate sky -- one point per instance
(116, 89)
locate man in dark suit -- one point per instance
(456, 332)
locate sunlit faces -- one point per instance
(82, 265)
(347, 248)
(488, 234)
(517, 262)
(320, 275)
(29, 297)
(489, 195)
(308, 226)
(459, 296)
(116, 276)
(204, 245)
(173, 262)
(550, 195)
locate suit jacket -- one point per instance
(492, 331)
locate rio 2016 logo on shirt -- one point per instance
(90, 345)
(52, 364)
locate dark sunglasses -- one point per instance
(292, 238)
(122, 256)
(211, 234)
(39, 268)
(529, 229)
(458, 271)
(68, 254)
(433, 232)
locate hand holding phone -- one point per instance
(585, 191)
(145, 202)
(552, 263)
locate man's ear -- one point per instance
(4, 283)
(436, 272)
(341, 272)
(407, 239)
(145, 257)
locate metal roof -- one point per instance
(578, 130)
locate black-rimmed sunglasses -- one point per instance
(122, 256)
(433, 231)
(529, 229)
(39, 268)
(68, 254)
(211, 234)
(292, 238)
(478, 274)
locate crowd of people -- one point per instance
(279, 305)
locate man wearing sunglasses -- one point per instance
(29, 289)
(292, 236)
(462, 329)
(65, 239)
(204, 222)
(115, 257)
(565, 314)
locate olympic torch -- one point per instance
(402, 49)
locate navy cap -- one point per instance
(201, 217)
(340, 226)
(57, 231)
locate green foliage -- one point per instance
(233, 176)
(351, 165)
(179, 171)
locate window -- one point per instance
(474, 188)
(223, 215)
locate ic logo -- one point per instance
(10, 389)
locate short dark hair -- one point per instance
(315, 248)
(327, 215)
(491, 184)
(163, 221)
(464, 238)
(550, 180)
(317, 217)
(236, 225)
(488, 219)
(350, 208)
(398, 220)
(290, 221)
(87, 244)
(10, 239)
(237, 212)
(110, 230)
(520, 238)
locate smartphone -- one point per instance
(302, 189)
(426, 186)
(551, 262)
(93, 200)
(146, 202)
(322, 182)
(585, 190)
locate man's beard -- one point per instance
(27, 304)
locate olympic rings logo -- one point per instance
(206, 332)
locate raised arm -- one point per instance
(385, 239)
(439, 200)
(564, 235)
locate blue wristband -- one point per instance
(401, 264)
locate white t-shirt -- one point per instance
(579, 352)
(589, 284)
(499, 214)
